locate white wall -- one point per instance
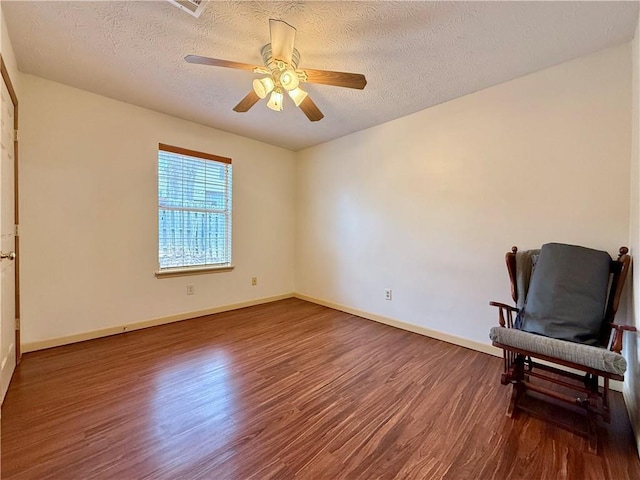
(632, 347)
(428, 204)
(88, 200)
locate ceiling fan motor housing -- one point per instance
(273, 63)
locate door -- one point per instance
(8, 332)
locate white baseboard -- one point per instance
(105, 332)
(427, 332)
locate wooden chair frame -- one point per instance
(519, 364)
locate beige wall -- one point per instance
(428, 204)
(632, 347)
(8, 55)
(88, 200)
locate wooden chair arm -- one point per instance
(618, 332)
(505, 306)
(501, 317)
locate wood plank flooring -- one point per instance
(284, 390)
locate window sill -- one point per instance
(183, 272)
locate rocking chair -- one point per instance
(526, 342)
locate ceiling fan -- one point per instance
(281, 67)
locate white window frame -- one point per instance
(227, 210)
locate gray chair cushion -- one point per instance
(567, 294)
(594, 357)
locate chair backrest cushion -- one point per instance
(568, 293)
(525, 264)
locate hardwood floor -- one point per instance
(284, 390)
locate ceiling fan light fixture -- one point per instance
(297, 95)
(280, 72)
(262, 86)
(289, 79)
(275, 101)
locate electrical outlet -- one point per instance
(191, 289)
(387, 294)
(254, 281)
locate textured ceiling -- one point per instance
(414, 54)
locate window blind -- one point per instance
(194, 209)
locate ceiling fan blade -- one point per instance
(217, 62)
(283, 37)
(247, 102)
(311, 110)
(338, 79)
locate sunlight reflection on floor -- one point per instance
(203, 386)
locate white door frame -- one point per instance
(14, 100)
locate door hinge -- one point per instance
(15, 135)
(17, 234)
(17, 324)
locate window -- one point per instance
(194, 210)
